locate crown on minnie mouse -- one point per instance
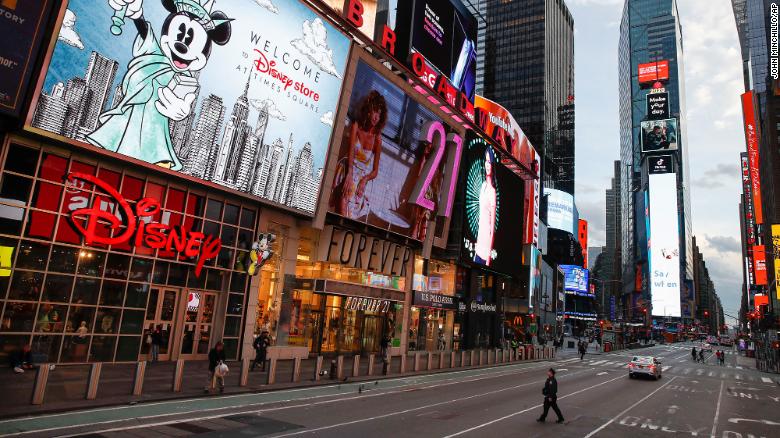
(201, 10)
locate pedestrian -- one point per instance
(442, 344)
(261, 343)
(583, 349)
(550, 392)
(701, 355)
(384, 351)
(21, 359)
(722, 358)
(216, 367)
(157, 340)
(693, 354)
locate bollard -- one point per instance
(244, 379)
(386, 361)
(471, 359)
(429, 365)
(39, 390)
(356, 365)
(271, 379)
(504, 356)
(462, 358)
(495, 357)
(339, 367)
(403, 363)
(452, 359)
(512, 355)
(441, 359)
(138, 381)
(296, 377)
(416, 366)
(371, 364)
(481, 361)
(521, 354)
(318, 369)
(177, 375)
(94, 378)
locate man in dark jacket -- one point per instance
(550, 393)
(216, 355)
(261, 349)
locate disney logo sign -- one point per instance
(136, 225)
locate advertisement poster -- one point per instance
(560, 210)
(653, 72)
(493, 209)
(759, 265)
(242, 94)
(659, 135)
(658, 106)
(583, 239)
(687, 299)
(659, 164)
(776, 256)
(381, 158)
(747, 204)
(21, 30)
(664, 243)
(751, 139)
(575, 280)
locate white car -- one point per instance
(644, 365)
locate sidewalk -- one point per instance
(67, 384)
(746, 362)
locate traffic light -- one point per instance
(706, 314)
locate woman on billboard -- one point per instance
(487, 212)
(364, 152)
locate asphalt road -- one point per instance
(596, 396)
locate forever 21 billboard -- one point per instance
(242, 94)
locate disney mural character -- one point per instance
(159, 86)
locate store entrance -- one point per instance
(198, 325)
(160, 312)
(372, 334)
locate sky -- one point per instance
(713, 80)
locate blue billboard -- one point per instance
(575, 280)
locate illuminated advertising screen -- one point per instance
(759, 265)
(447, 38)
(658, 106)
(751, 138)
(659, 164)
(659, 135)
(575, 280)
(385, 152)
(582, 237)
(664, 245)
(560, 210)
(776, 256)
(493, 209)
(653, 72)
(242, 94)
(747, 204)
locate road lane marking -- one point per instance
(405, 382)
(711, 373)
(717, 411)
(602, 373)
(598, 362)
(766, 380)
(687, 371)
(664, 368)
(480, 426)
(738, 367)
(737, 376)
(629, 408)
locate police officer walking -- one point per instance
(550, 393)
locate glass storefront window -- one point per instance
(26, 286)
(51, 318)
(269, 293)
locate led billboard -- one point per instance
(664, 245)
(244, 96)
(659, 164)
(560, 210)
(582, 237)
(493, 209)
(390, 145)
(575, 280)
(751, 139)
(658, 106)
(659, 135)
(653, 72)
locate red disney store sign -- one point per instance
(135, 226)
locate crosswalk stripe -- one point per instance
(737, 376)
(687, 371)
(665, 368)
(766, 380)
(699, 372)
(711, 373)
(739, 367)
(598, 362)
(722, 375)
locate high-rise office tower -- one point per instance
(650, 62)
(529, 69)
(101, 72)
(233, 140)
(181, 131)
(613, 267)
(202, 146)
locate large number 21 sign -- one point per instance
(434, 133)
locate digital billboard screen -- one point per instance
(383, 154)
(447, 38)
(560, 211)
(493, 209)
(575, 280)
(659, 135)
(243, 96)
(653, 72)
(664, 245)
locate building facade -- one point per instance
(650, 37)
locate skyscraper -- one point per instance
(181, 130)
(612, 264)
(50, 113)
(77, 97)
(529, 69)
(202, 147)
(100, 75)
(650, 34)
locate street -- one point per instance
(596, 396)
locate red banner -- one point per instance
(759, 264)
(583, 238)
(653, 71)
(751, 139)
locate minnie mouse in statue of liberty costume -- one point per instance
(159, 86)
